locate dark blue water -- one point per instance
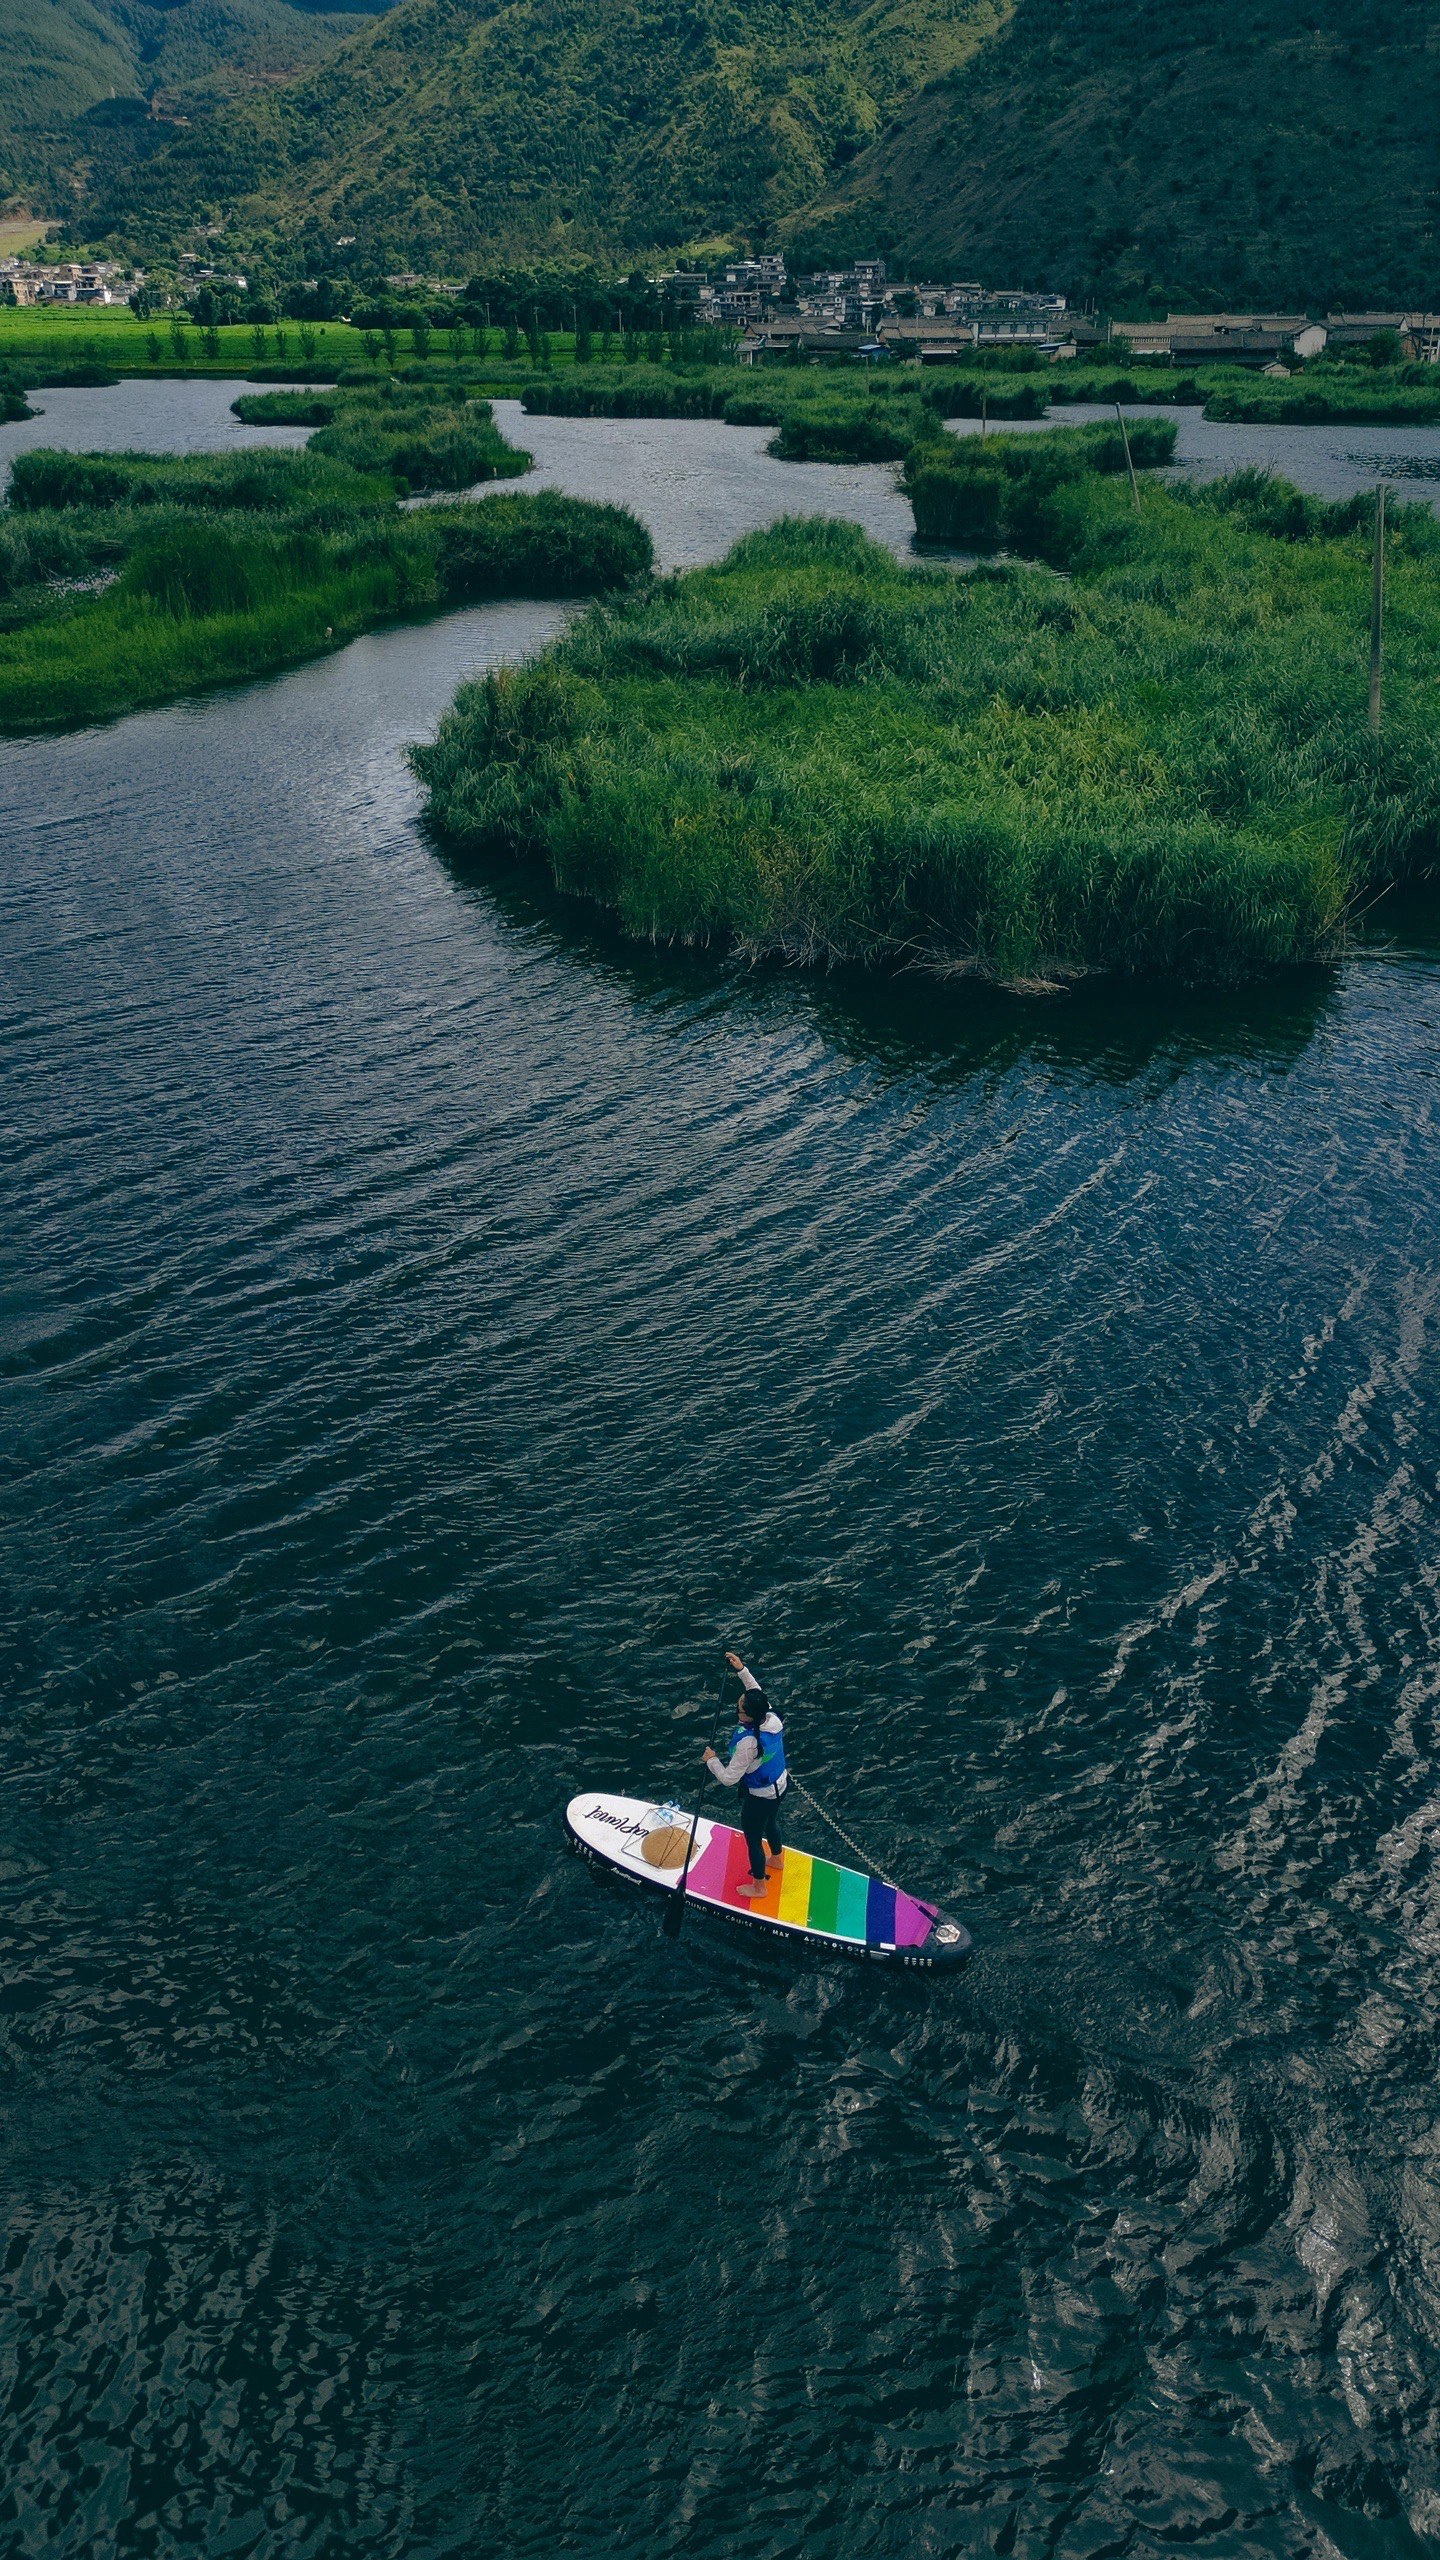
(430, 1331)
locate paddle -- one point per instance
(675, 1907)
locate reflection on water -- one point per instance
(427, 1332)
(914, 1019)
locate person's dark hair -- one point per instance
(754, 1706)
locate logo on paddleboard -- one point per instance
(633, 1830)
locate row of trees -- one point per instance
(389, 342)
(509, 300)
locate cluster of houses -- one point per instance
(860, 312)
(26, 280)
(1277, 340)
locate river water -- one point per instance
(1329, 462)
(431, 1331)
(142, 417)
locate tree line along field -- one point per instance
(72, 338)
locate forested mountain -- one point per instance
(72, 72)
(1241, 151)
(453, 131)
(1137, 151)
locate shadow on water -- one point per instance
(1405, 925)
(909, 1022)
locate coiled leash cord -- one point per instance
(875, 1865)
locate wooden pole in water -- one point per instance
(1129, 457)
(1377, 613)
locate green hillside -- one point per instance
(449, 131)
(1138, 152)
(1284, 153)
(74, 73)
(60, 57)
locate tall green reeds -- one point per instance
(1157, 763)
(423, 437)
(254, 482)
(126, 579)
(1023, 493)
(1338, 394)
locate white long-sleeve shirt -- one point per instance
(747, 1750)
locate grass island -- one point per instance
(1141, 747)
(128, 579)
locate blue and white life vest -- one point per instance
(769, 1769)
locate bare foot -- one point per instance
(751, 1884)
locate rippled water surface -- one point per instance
(430, 1331)
(699, 484)
(144, 417)
(1330, 461)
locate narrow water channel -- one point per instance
(430, 1331)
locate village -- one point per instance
(860, 314)
(97, 281)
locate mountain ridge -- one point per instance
(446, 130)
(1126, 153)
(73, 71)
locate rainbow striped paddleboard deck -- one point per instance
(834, 1908)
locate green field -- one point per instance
(41, 345)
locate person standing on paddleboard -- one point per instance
(757, 1767)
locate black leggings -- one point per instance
(760, 1820)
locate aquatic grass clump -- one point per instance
(1159, 763)
(820, 430)
(286, 408)
(1024, 493)
(829, 621)
(207, 570)
(545, 545)
(422, 439)
(258, 482)
(1327, 395)
(107, 607)
(629, 391)
(421, 435)
(459, 454)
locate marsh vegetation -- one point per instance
(1155, 761)
(126, 579)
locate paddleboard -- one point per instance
(837, 1909)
